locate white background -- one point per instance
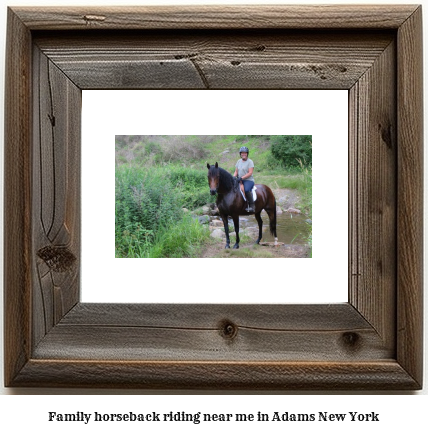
(324, 114)
(398, 412)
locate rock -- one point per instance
(308, 221)
(278, 210)
(294, 211)
(205, 209)
(203, 219)
(217, 223)
(286, 198)
(218, 233)
(271, 243)
(252, 232)
(185, 209)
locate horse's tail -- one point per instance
(272, 222)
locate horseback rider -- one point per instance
(244, 175)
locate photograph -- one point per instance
(255, 196)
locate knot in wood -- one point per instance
(351, 340)
(386, 134)
(258, 48)
(94, 18)
(58, 259)
(228, 329)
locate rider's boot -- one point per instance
(250, 201)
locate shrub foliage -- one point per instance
(292, 150)
(150, 200)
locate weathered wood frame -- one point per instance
(372, 342)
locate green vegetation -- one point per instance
(150, 221)
(183, 239)
(254, 251)
(162, 180)
(291, 151)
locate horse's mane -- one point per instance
(226, 179)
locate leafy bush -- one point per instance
(145, 201)
(180, 240)
(192, 185)
(149, 208)
(292, 150)
(146, 197)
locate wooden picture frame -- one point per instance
(372, 342)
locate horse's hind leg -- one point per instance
(272, 222)
(260, 222)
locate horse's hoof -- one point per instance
(227, 246)
(236, 246)
(257, 242)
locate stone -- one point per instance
(294, 211)
(218, 233)
(203, 219)
(252, 232)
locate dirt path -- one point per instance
(251, 250)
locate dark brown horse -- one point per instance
(231, 203)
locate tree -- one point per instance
(292, 150)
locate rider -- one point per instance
(244, 173)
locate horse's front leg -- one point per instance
(260, 222)
(236, 224)
(226, 230)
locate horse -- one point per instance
(231, 203)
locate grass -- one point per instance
(302, 182)
(181, 240)
(254, 251)
(285, 180)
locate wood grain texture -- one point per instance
(376, 375)
(372, 342)
(199, 332)
(340, 317)
(17, 199)
(217, 17)
(410, 196)
(373, 177)
(216, 60)
(56, 194)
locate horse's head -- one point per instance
(213, 178)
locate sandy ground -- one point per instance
(251, 250)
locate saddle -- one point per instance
(253, 191)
